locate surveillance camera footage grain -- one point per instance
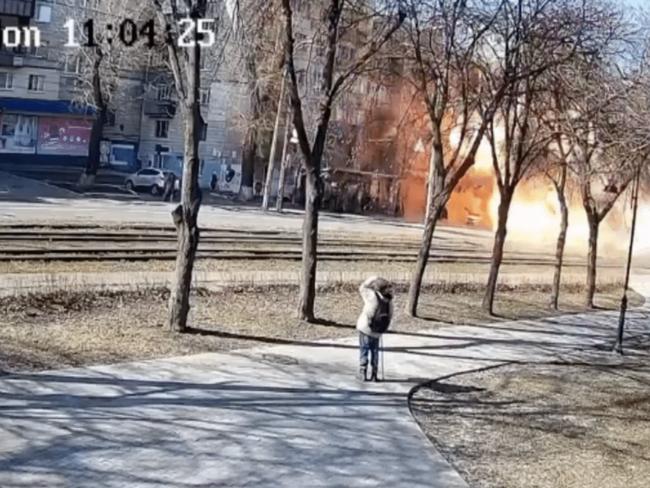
(329, 243)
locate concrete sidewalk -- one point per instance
(285, 416)
(19, 189)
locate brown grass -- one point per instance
(543, 426)
(70, 329)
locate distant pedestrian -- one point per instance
(177, 189)
(374, 320)
(168, 189)
(213, 182)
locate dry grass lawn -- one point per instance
(71, 329)
(543, 426)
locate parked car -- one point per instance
(148, 179)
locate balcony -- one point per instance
(17, 8)
(8, 58)
(20, 56)
(160, 109)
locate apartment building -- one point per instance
(37, 125)
(43, 121)
(223, 103)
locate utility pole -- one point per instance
(618, 347)
(283, 163)
(274, 143)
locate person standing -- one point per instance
(177, 189)
(169, 187)
(374, 320)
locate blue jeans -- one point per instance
(368, 345)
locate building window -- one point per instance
(6, 81)
(162, 129)
(72, 64)
(163, 92)
(110, 118)
(205, 96)
(36, 83)
(90, 3)
(43, 13)
(203, 131)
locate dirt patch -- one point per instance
(71, 329)
(543, 426)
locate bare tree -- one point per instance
(446, 39)
(259, 48)
(339, 16)
(528, 41)
(567, 115)
(99, 73)
(604, 125)
(184, 59)
(607, 148)
(557, 172)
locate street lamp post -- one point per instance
(283, 163)
(269, 171)
(618, 347)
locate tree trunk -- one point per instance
(87, 178)
(559, 250)
(592, 259)
(430, 186)
(415, 287)
(309, 246)
(185, 215)
(94, 149)
(283, 165)
(437, 202)
(497, 251)
(249, 151)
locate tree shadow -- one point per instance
(544, 416)
(252, 430)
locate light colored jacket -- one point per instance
(370, 305)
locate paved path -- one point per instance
(287, 416)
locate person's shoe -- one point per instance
(362, 375)
(373, 376)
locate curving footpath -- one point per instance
(287, 416)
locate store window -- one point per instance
(18, 133)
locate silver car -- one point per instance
(149, 179)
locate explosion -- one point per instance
(534, 218)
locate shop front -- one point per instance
(43, 132)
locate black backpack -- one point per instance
(381, 320)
